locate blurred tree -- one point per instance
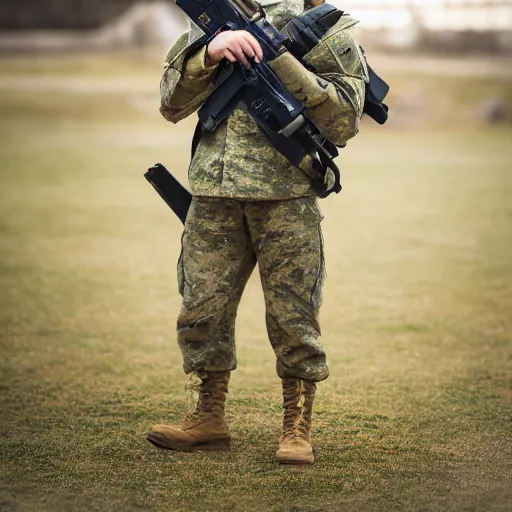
(61, 14)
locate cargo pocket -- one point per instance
(316, 293)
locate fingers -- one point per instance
(245, 46)
(228, 54)
(255, 46)
(238, 50)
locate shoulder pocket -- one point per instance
(338, 53)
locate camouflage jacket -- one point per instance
(236, 160)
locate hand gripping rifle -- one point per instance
(278, 114)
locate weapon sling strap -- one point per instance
(295, 149)
(233, 91)
(376, 91)
(303, 143)
(304, 32)
(314, 24)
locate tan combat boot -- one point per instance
(203, 429)
(295, 442)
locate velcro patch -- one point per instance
(343, 51)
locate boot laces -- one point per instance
(202, 391)
(297, 412)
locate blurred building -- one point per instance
(460, 25)
(60, 14)
(70, 25)
(433, 25)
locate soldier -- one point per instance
(250, 204)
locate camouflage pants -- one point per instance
(222, 241)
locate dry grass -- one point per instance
(417, 319)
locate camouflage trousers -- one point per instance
(222, 241)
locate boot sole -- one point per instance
(160, 441)
(283, 459)
(296, 462)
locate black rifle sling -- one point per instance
(230, 85)
(376, 91)
(304, 33)
(302, 143)
(312, 25)
(233, 91)
(236, 92)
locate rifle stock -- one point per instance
(177, 197)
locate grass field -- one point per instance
(417, 316)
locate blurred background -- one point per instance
(417, 315)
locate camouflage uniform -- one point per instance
(250, 204)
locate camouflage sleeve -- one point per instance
(186, 83)
(334, 94)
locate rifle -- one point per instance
(279, 115)
(177, 197)
(272, 107)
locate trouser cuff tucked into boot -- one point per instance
(204, 428)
